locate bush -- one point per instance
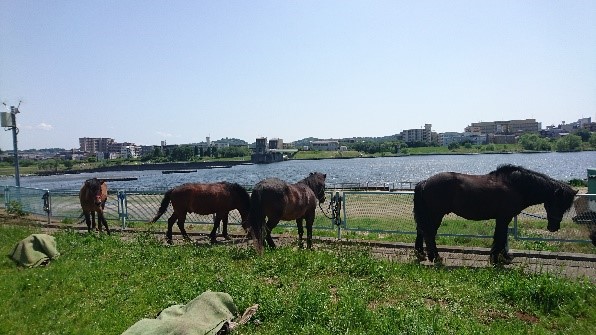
(15, 208)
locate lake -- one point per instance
(561, 166)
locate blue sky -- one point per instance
(147, 71)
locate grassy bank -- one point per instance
(103, 284)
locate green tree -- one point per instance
(569, 143)
(230, 152)
(181, 154)
(584, 134)
(593, 140)
(532, 141)
(68, 164)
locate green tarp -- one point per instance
(206, 314)
(35, 250)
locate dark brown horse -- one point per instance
(217, 198)
(277, 200)
(93, 196)
(501, 195)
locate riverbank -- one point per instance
(174, 166)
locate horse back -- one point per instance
(300, 201)
(280, 200)
(203, 199)
(474, 197)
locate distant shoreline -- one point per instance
(151, 166)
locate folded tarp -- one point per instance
(35, 250)
(206, 314)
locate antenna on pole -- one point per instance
(9, 121)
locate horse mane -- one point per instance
(530, 182)
(239, 190)
(312, 182)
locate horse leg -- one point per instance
(88, 221)
(171, 221)
(430, 235)
(309, 224)
(498, 252)
(93, 225)
(224, 221)
(102, 220)
(270, 225)
(213, 233)
(181, 221)
(300, 232)
(419, 246)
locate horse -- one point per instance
(277, 200)
(93, 196)
(215, 198)
(500, 195)
(584, 215)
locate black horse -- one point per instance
(500, 195)
(277, 200)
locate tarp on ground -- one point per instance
(35, 250)
(206, 314)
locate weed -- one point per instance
(15, 207)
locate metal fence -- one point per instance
(358, 212)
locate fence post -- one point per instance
(122, 208)
(6, 196)
(47, 204)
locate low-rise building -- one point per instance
(324, 145)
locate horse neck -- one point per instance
(536, 192)
(308, 184)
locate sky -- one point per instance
(179, 71)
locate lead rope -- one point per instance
(335, 209)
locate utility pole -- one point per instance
(9, 120)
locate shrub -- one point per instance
(15, 208)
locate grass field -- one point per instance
(103, 284)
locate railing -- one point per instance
(357, 212)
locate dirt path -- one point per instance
(569, 265)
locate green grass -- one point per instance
(103, 284)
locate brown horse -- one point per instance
(277, 200)
(219, 198)
(501, 195)
(93, 196)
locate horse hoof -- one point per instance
(420, 255)
(500, 259)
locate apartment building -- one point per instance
(505, 127)
(422, 135)
(93, 145)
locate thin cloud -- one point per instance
(44, 126)
(162, 134)
(41, 126)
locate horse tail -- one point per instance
(165, 202)
(419, 206)
(257, 219)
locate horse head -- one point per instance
(94, 187)
(316, 181)
(557, 206)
